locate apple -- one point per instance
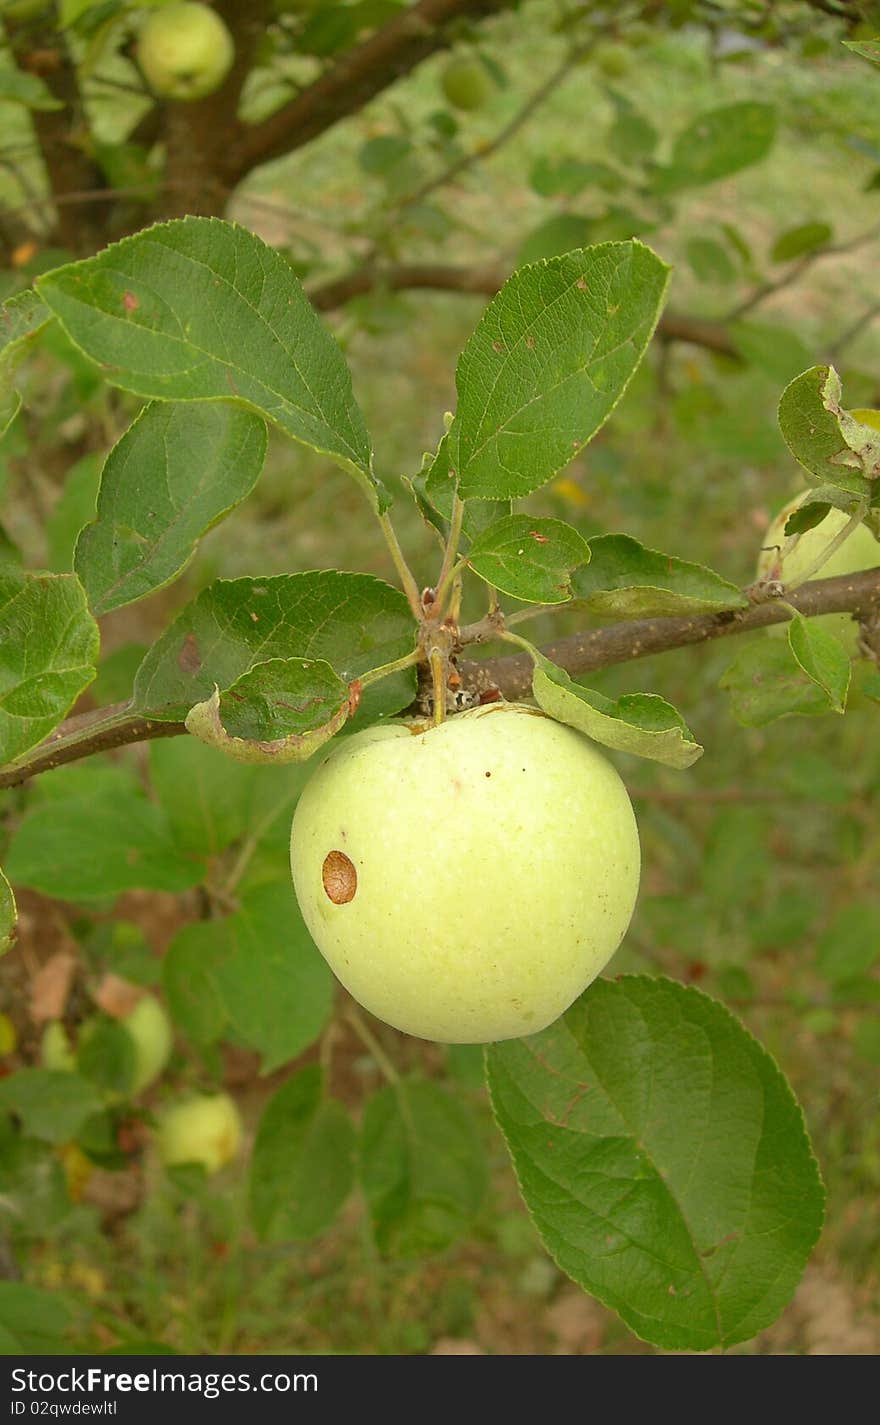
(149, 1027)
(466, 83)
(859, 551)
(56, 1050)
(611, 60)
(204, 1129)
(185, 51)
(466, 882)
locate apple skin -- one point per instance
(466, 84)
(497, 866)
(205, 1129)
(185, 51)
(860, 551)
(149, 1027)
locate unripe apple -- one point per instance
(466, 882)
(149, 1027)
(56, 1050)
(859, 550)
(185, 51)
(205, 1129)
(466, 83)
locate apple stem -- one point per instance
(370, 1042)
(407, 578)
(438, 679)
(831, 547)
(449, 569)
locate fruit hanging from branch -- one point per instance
(205, 1129)
(466, 84)
(185, 51)
(466, 881)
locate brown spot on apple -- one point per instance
(339, 877)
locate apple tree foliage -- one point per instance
(658, 1148)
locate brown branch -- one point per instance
(583, 652)
(486, 281)
(357, 77)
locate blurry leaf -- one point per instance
(709, 261)
(199, 309)
(329, 29)
(37, 1320)
(736, 862)
(851, 944)
(116, 674)
(641, 723)
(718, 143)
(548, 362)
(302, 1168)
(626, 580)
(7, 914)
(766, 682)
(795, 242)
(19, 87)
(206, 797)
(866, 1039)
(632, 137)
(826, 439)
(552, 177)
(21, 317)
(663, 1159)
(74, 508)
(352, 621)
(822, 657)
(48, 649)
(175, 473)
(51, 1105)
(193, 998)
(422, 1167)
(106, 1056)
(555, 236)
(98, 839)
(279, 711)
(380, 154)
(529, 559)
(770, 347)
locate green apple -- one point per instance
(466, 882)
(465, 82)
(859, 551)
(205, 1129)
(185, 51)
(149, 1027)
(611, 60)
(56, 1050)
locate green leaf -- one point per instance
(274, 988)
(765, 682)
(107, 1057)
(626, 580)
(422, 1167)
(640, 723)
(97, 836)
(175, 473)
(815, 505)
(555, 236)
(632, 137)
(208, 799)
(201, 310)
(822, 657)
(37, 1320)
(21, 317)
(548, 362)
(552, 177)
(771, 347)
(52, 1105)
(663, 1159)
(7, 914)
(19, 87)
(193, 998)
(850, 946)
(352, 621)
(709, 261)
(530, 559)
(280, 711)
(826, 439)
(48, 650)
(73, 510)
(868, 49)
(718, 143)
(302, 1168)
(796, 242)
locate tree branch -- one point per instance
(357, 77)
(584, 652)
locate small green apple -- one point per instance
(466, 83)
(56, 1050)
(466, 882)
(185, 51)
(149, 1027)
(205, 1129)
(614, 61)
(859, 551)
